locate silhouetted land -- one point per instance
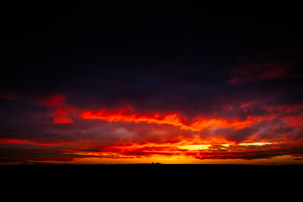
(152, 182)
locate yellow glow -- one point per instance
(286, 159)
(255, 143)
(195, 147)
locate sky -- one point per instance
(143, 83)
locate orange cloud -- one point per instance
(124, 116)
(197, 124)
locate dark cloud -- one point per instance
(249, 155)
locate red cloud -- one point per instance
(58, 101)
(65, 111)
(259, 72)
(62, 120)
(48, 159)
(54, 101)
(12, 141)
(20, 141)
(283, 109)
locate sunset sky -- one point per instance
(163, 83)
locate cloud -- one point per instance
(174, 119)
(28, 160)
(249, 154)
(54, 101)
(22, 154)
(127, 133)
(20, 141)
(60, 120)
(259, 72)
(215, 151)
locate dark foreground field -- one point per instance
(151, 183)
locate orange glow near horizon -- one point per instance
(208, 148)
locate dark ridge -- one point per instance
(157, 182)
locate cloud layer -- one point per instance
(253, 112)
